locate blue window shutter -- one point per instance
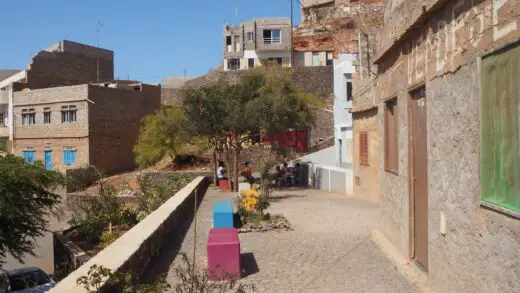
(66, 157)
(73, 157)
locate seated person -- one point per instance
(221, 171)
(297, 173)
(247, 172)
(287, 174)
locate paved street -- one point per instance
(330, 250)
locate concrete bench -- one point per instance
(223, 214)
(223, 250)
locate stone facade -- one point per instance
(439, 45)
(104, 133)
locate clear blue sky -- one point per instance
(151, 39)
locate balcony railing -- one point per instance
(275, 40)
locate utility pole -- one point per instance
(292, 25)
(99, 25)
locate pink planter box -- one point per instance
(223, 254)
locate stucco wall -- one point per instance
(368, 185)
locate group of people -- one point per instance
(246, 172)
(284, 176)
(288, 176)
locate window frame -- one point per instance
(67, 159)
(483, 202)
(250, 36)
(365, 135)
(47, 114)
(66, 114)
(394, 104)
(31, 114)
(348, 92)
(271, 40)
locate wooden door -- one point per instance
(419, 176)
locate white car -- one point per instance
(26, 280)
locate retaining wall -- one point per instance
(133, 251)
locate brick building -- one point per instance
(89, 124)
(437, 136)
(61, 64)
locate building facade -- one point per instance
(63, 63)
(436, 137)
(253, 43)
(90, 124)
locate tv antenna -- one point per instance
(99, 25)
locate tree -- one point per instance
(27, 198)
(206, 110)
(266, 99)
(161, 134)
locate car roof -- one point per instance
(21, 271)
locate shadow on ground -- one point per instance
(248, 264)
(161, 263)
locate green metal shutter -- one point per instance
(499, 109)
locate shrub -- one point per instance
(107, 237)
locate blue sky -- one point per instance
(151, 39)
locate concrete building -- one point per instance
(63, 63)
(255, 42)
(436, 139)
(89, 124)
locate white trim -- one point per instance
(17, 77)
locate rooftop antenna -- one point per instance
(99, 25)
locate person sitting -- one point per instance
(221, 171)
(287, 175)
(297, 173)
(247, 172)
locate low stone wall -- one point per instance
(133, 251)
(67, 255)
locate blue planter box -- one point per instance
(223, 215)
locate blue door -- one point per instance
(48, 160)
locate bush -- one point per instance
(107, 237)
(151, 195)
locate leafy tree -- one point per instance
(205, 108)
(27, 198)
(162, 133)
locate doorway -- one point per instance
(48, 160)
(418, 171)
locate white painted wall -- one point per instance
(264, 55)
(342, 117)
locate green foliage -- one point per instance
(107, 237)
(28, 195)
(129, 216)
(93, 214)
(3, 144)
(162, 133)
(99, 276)
(151, 195)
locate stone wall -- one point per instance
(53, 98)
(114, 122)
(136, 249)
(480, 251)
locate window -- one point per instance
(275, 61)
(251, 63)
(46, 115)
(234, 64)
(28, 156)
(330, 58)
(500, 130)
(250, 36)
(68, 114)
(363, 148)
(229, 46)
(69, 156)
(316, 59)
(272, 36)
(391, 137)
(2, 119)
(348, 78)
(28, 116)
